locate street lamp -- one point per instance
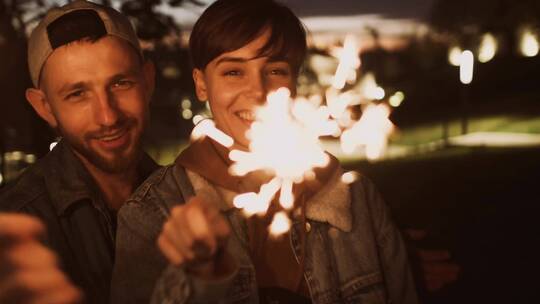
(466, 71)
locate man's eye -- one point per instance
(75, 94)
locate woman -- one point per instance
(343, 246)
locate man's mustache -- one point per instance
(119, 127)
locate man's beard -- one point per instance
(122, 159)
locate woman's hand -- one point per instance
(195, 236)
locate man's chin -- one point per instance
(112, 162)
(117, 163)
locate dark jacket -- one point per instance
(354, 253)
(80, 228)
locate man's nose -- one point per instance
(106, 109)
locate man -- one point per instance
(93, 86)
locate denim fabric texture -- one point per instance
(367, 264)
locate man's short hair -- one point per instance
(228, 25)
(76, 21)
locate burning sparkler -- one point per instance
(285, 137)
(371, 132)
(293, 128)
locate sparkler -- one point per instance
(291, 127)
(371, 132)
(285, 137)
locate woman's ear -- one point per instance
(200, 85)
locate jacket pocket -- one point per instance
(364, 289)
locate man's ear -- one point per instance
(200, 85)
(149, 70)
(39, 102)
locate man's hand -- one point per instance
(29, 271)
(437, 269)
(195, 236)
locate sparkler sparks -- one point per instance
(371, 131)
(292, 129)
(285, 136)
(349, 62)
(207, 127)
(280, 224)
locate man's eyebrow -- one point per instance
(72, 86)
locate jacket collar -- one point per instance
(68, 181)
(331, 204)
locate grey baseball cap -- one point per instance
(43, 40)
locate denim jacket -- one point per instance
(80, 228)
(354, 253)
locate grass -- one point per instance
(432, 132)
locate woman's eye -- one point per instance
(123, 84)
(232, 73)
(279, 71)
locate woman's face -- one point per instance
(235, 83)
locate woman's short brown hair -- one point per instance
(228, 25)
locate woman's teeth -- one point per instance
(246, 115)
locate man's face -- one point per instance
(235, 83)
(98, 94)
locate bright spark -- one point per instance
(207, 127)
(280, 224)
(349, 62)
(284, 141)
(370, 132)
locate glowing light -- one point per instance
(52, 145)
(280, 224)
(370, 89)
(396, 99)
(293, 127)
(370, 132)
(338, 107)
(349, 61)
(488, 48)
(454, 55)
(349, 177)
(30, 158)
(14, 156)
(286, 197)
(208, 128)
(197, 118)
(378, 93)
(186, 103)
(528, 44)
(1, 178)
(466, 67)
(187, 114)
